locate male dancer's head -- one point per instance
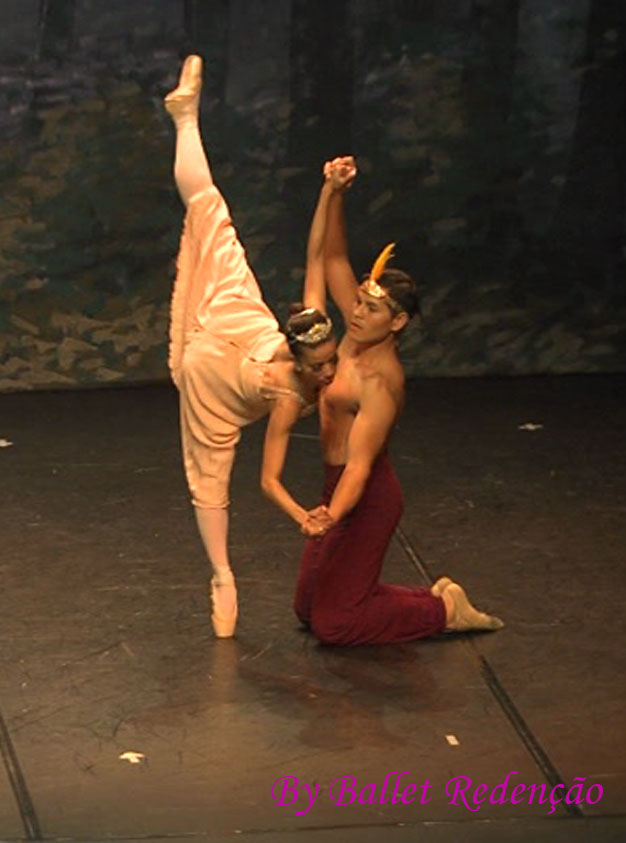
(385, 302)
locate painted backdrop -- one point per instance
(490, 136)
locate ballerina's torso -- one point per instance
(278, 378)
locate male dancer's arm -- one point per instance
(370, 431)
(340, 278)
(336, 180)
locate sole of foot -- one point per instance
(466, 618)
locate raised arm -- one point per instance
(341, 280)
(337, 178)
(314, 294)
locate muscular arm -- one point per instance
(340, 278)
(370, 431)
(282, 418)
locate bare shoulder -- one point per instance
(384, 376)
(284, 412)
(285, 378)
(380, 389)
(283, 373)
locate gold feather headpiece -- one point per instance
(371, 285)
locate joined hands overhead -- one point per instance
(340, 172)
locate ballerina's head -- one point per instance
(310, 338)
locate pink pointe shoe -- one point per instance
(223, 625)
(184, 101)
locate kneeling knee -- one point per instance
(330, 631)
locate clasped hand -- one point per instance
(340, 172)
(318, 522)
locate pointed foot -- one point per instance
(224, 617)
(184, 100)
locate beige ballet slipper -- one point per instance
(440, 586)
(223, 625)
(184, 101)
(463, 617)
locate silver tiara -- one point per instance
(318, 332)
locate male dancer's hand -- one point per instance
(340, 172)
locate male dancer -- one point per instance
(338, 593)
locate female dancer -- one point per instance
(228, 357)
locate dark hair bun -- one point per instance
(295, 307)
(300, 320)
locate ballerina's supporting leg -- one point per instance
(208, 473)
(191, 167)
(213, 527)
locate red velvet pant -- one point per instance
(338, 593)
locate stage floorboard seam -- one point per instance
(18, 784)
(497, 689)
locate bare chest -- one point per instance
(343, 394)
